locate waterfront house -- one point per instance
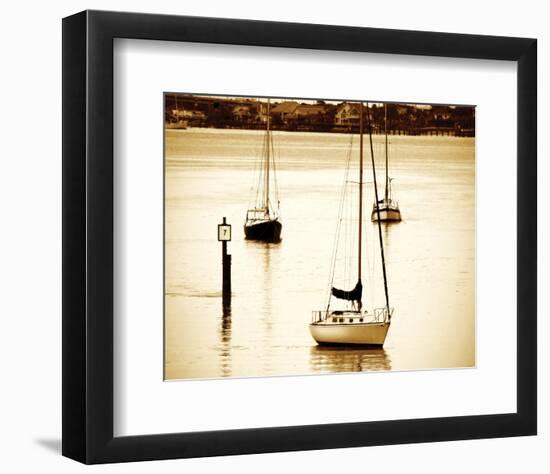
(284, 110)
(347, 114)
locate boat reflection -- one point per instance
(264, 251)
(348, 359)
(387, 228)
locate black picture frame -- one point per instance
(88, 236)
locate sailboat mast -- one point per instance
(268, 146)
(360, 193)
(378, 215)
(386, 132)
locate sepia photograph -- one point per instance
(308, 236)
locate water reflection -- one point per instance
(267, 313)
(264, 252)
(348, 359)
(225, 341)
(430, 258)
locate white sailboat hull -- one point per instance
(365, 334)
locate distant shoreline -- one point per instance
(188, 110)
(429, 131)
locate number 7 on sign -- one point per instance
(224, 231)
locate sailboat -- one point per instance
(387, 209)
(355, 325)
(263, 220)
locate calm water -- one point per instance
(430, 255)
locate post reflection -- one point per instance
(225, 341)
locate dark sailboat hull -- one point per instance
(265, 231)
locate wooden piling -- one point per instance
(226, 266)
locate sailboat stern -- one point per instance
(387, 215)
(389, 212)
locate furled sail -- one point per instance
(352, 295)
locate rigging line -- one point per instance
(345, 256)
(349, 256)
(350, 228)
(256, 173)
(334, 250)
(360, 240)
(275, 182)
(336, 241)
(260, 168)
(370, 275)
(386, 149)
(251, 190)
(267, 161)
(338, 226)
(354, 250)
(268, 178)
(259, 189)
(347, 235)
(265, 190)
(373, 263)
(378, 215)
